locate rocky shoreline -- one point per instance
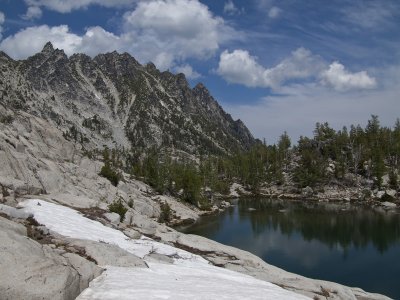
(385, 197)
(84, 258)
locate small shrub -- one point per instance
(4, 191)
(205, 204)
(6, 119)
(166, 213)
(118, 207)
(130, 203)
(108, 172)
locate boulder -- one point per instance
(32, 271)
(388, 205)
(391, 193)
(113, 217)
(13, 212)
(142, 223)
(307, 191)
(87, 270)
(225, 204)
(133, 234)
(8, 225)
(380, 194)
(107, 254)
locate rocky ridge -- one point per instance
(113, 100)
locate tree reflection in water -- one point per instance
(332, 224)
(337, 242)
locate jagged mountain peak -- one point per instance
(113, 100)
(115, 56)
(48, 48)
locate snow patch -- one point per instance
(70, 223)
(163, 281)
(189, 277)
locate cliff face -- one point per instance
(113, 100)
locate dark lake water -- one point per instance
(351, 245)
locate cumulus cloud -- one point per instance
(165, 32)
(97, 40)
(341, 79)
(231, 9)
(188, 71)
(32, 39)
(274, 12)
(240, 67)
(66, 6)
(185, 28)
(33, 12)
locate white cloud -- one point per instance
(231, 9)
(183, 28)
(274, 12)
(165, 32)
(188, 71)
(2, 19)
(340, 79)
(372, 15)
(66, 6)
(32, 39)
(97, 40)
(240, 67)
(33, 12)
(300, 106)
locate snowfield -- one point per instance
(189, 277)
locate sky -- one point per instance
(277, 65)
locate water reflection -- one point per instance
(329, 223)
(341, 243)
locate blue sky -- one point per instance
(277, 65)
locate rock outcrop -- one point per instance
(30, 270)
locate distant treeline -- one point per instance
(330, 155)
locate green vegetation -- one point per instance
(118, 207)
(166, 213)
(111, 166)
(369, 152)
(346, 157)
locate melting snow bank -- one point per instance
(189, 277)
(163, 281)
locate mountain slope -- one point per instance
(113, 100)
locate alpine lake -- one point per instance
(350, 244)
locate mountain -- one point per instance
(113, 100)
